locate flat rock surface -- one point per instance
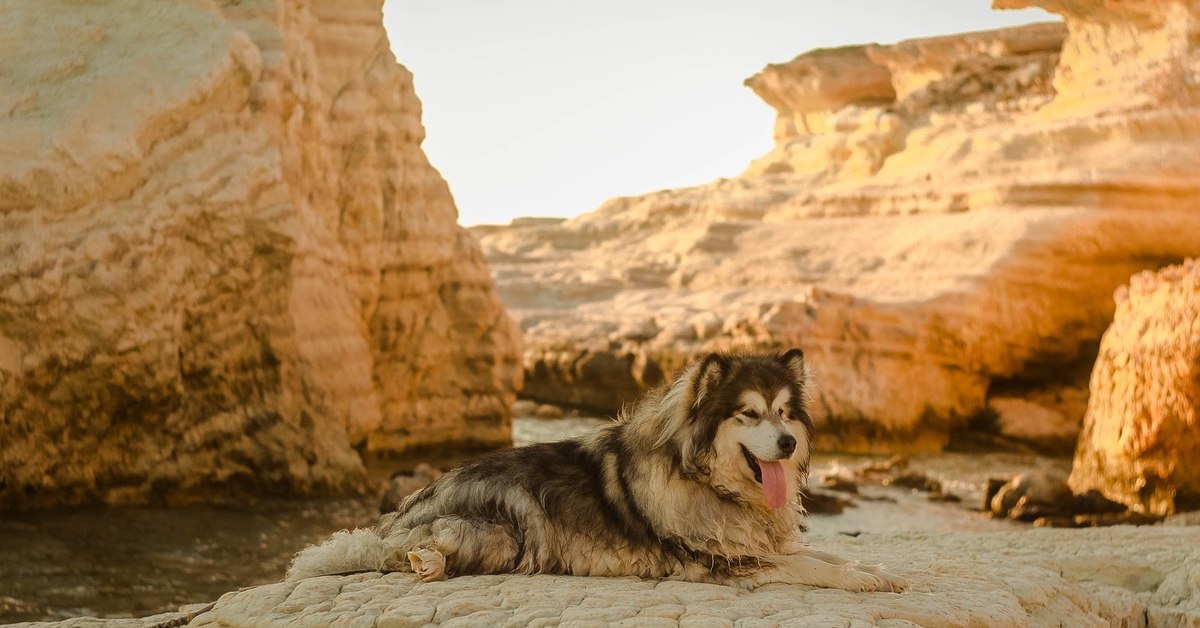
(1110, 576)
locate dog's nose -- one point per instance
(787, 445)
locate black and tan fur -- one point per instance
(666, 491)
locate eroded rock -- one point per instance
(405, 483)
(227, 264)
(1123, 55)
(840, 482)
(966, 233)
(818, 502)
(1141, 435)
(1045, 499)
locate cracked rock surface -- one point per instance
(1096, 577)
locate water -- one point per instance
(122, 562)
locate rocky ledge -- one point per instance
(940, 225)
(1148, 576)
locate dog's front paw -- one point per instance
(428, 564)
(894, 584)
(860, 579)
(854, 579)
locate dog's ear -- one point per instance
(712, 370)
(794, 361)
(694, 447)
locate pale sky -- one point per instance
(548, 107)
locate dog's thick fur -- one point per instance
(669, 490)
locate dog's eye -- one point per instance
(750, 414)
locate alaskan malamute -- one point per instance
(701, 481)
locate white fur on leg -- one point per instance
(358, 550)
(429, 564)
(826, 570)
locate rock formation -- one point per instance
(225, 264)
(1122, 56)
(1141, 434)
(933, 244)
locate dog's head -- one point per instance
(748, 431)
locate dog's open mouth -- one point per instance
(770, 474)
(753, 462)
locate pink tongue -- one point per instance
(774, 485)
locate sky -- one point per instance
(549, 107)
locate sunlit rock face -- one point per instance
(225, 264)
(1132, 54)
(952, 237)
(1141, 434)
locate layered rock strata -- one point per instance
(1141, 434)
(933, 244)
(225, 264)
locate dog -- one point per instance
(701, 481)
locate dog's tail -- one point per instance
(344, 552)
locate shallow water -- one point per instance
(120, 562)
(114, 562)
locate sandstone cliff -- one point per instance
(225, 263)
(940, 225)
(1141, 434)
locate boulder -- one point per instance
(549, 411)
(404, 483)
(524, 408)
(1141, 434)
(1044, 498)
(956, 242)
(1031, 495)
(227, 265)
